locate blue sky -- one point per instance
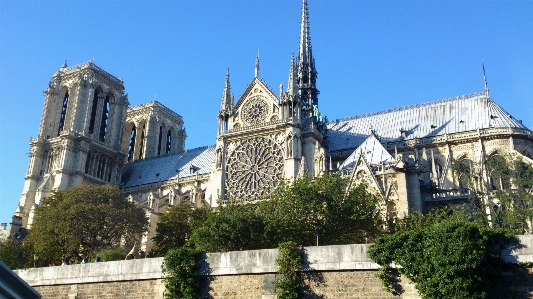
(370, 56)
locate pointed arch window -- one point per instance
(63, 113)
(499, 172)
(93, 112)
(131, 149)
(169, 142)
(464, 172)
(141, 147)
(160, 138)
(104, 119)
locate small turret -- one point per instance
(292, 84)
(226, 106)
(227, 97)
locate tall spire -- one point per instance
(306, 63)
(257, 66)
(306, 67)
(226, 94)
(485, 79)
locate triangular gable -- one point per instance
(262, 89)
(360, 165)
(371, 150)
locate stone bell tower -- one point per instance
(80, 135)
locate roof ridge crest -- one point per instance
(456, 98)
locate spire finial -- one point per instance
(64, 66)
(485, 78)
(306, 63)
(226, 95)
(291, 85)
(257, 66)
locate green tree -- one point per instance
(288, 261)
(83, 220)
(228, 228)
(180, 267)
(110, 254)
(12, 253)
(503, 190)
(305, 208)
(510, 188)
(297, 211)
(174, 228)
(449, 259)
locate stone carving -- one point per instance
(254, 168)
(255, 110)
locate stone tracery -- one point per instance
(255, 110)
(254, 168)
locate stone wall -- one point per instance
(340, 271)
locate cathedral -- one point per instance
(90, 135)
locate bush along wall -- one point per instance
(456, 259)
(181, 269)
(288, 262)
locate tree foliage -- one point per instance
(175, 227)
(110, 254)
(12, 253)
(511, 183)
(180, 267)
(288, 262)
(305, 208)
(503, 188)
(83, 220)
(228, 228)
(447, 259)
(297, 211)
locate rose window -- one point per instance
(254, 168)
(255, 110)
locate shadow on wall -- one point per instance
(206, 278)
(517, 279)
(310, 279)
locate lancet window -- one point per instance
(63, 113)
(463, 172)
(499, 173)
(104, 119)
(131, 149)
(160, 138)
(169, 141)
(93, 111)
(141, 147)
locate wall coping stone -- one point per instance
(317, 258)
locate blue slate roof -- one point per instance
(458, 114)
(169, 167)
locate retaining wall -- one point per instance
(340, 271)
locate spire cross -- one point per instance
(485, 78)
(257, 66)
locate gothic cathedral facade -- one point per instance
(89, 135)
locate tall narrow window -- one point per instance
(141, 150)
(131, 149)
(93, 112)
(169, 142)
(105, 117)
(160, 138)
(88, 163)
(63, 113)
